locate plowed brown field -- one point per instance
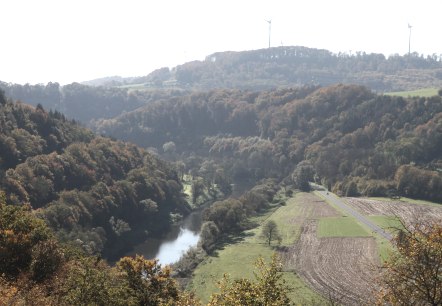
(341, 268)
(407, 212)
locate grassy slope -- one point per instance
(424, 92)
(388, 223)
(237, 259)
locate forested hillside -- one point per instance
(101, 194)
(344, 136)
(290, 66)
(264, 69)
(81, 102)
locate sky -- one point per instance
(69, 41)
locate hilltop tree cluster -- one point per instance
(295, 65)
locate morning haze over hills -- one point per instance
(325, 169)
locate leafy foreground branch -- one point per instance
(413, 274)
(268, 289)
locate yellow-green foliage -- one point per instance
(268, 289)
(413, 274)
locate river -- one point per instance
(171, 247)
(180, 238)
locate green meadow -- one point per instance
(238, 256)
(424, 92)
(340, 227)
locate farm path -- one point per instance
(345, 207)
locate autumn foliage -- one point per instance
(413, 274)
(268, 288)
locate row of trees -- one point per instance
(231, 215)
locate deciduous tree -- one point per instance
(413, 274)
(151, 283)
(270, 232)
(268, 288)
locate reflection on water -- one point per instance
(170, 248)
(171, 252)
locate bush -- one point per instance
(209, 235)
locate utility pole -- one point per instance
(270, 29)
(409, 40)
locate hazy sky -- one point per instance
(77, 40)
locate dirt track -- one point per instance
(341, 268)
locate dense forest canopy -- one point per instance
(105, 195)
(346, 133)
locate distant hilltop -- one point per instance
(291, 66)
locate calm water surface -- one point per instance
(170, 248)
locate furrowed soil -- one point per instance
(407, 212)
(340, 268)
(337, 264)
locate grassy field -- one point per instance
(384, 248)
(237, 258)
(340, 227)
(424, 92)
(134, 87)
(388, 223)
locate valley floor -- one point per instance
(327, 252)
